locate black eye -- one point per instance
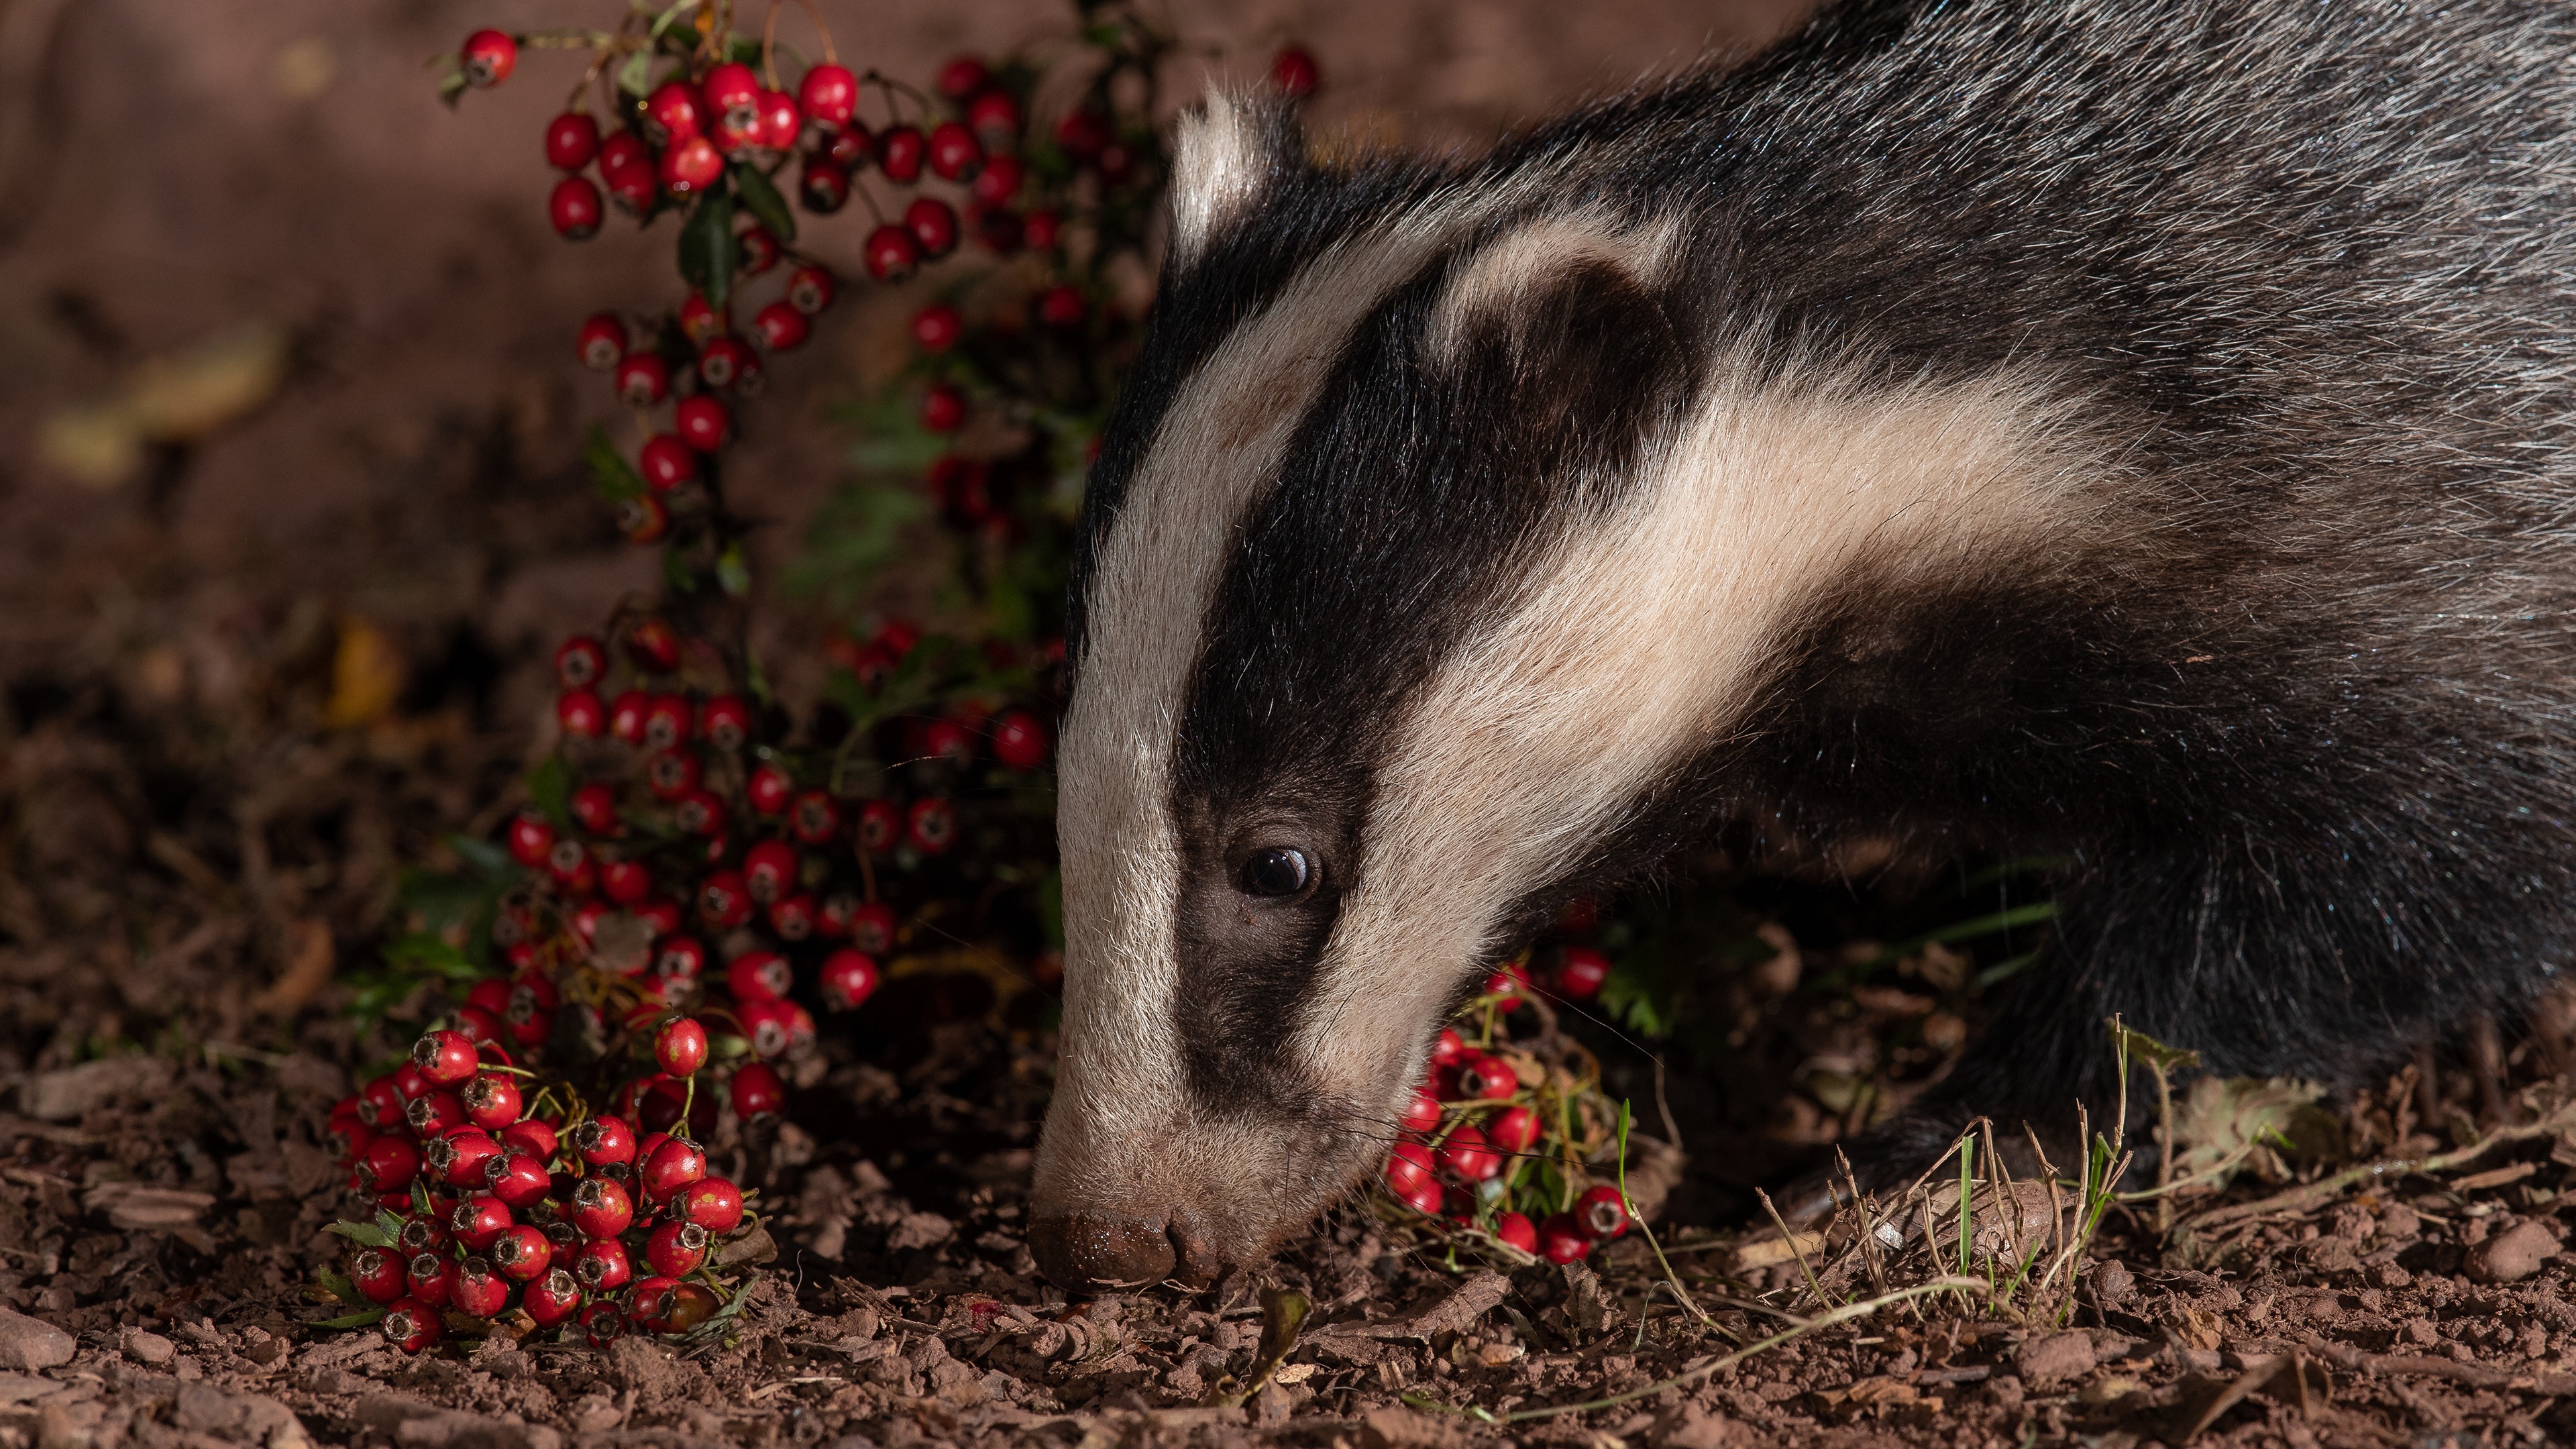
(1276, 872)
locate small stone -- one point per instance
(2057, 1356)
(150, 1348)
(74, 1092)
(2112, 1283)
(32, 1343)
(1393, 1428)
(2512, 1255)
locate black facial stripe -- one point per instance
(1411, 503)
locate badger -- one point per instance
(2134, 434)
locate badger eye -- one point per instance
(1276, 872)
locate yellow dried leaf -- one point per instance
(366, 676)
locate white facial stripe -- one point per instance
(1499, 278)
(1218, 165)
(1640, 640)
(1119, 1086)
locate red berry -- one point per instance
(409, 1081)
(713, 1203)
(757, 1091)
(381, 1103)
(478, 1220)
(943, 409)
(780, 120)
(652, 1302)
(847, 978)
(769, 870)
(930, 826)
(674, 111)
(601, 342)
(531, 1137)
(1020, 740)
(1424, 1197)
(668, 720)
(872, 927)
(663, 917)
(517, 1178)
(379, 1275)
(759, 250)
(1421, 1112)
(809, 289)
(523, 1254)
(489, 57)
(946, 739)
(880, 824)
(770, 1024)
(933, 224)
(724, 901)
(829, 94)
(552, 1299)
(1000, 181)
(531, 839)
(434, 1114)
(569, 863)
(962, 77)
(953, 152)
(781, 328)
(814, 818)
(1061, 307)
(726, 722)
(1082, 134)
(1560, 1241)
(579, 714)
(702, 422)
(1509, 987)
(793, 918)
(679, 963)
(603, 1324)
(672, 774)
(572, 139)
(575, 208)
(674, 1165)
(1466, 1154)
(1517, 1230)
(1602, 1212)
(850, 148)
(1581, 914)
(601, 1208)
(1515, 1130)
(1042, 229)
(729, 362)
(759, 976)
(891, 253)
(770, 789)
(446, 1058)
(995, 116)
(731, 89)
(604, 1142)
(586, 918)
(1487, 1079)
(602, 1264)
(681, 1047)
(491, 1101)
(822, 186)
(625, 881)
(666, 463)
(700, 322)
(654, 644)
(675, 1249)
(937, 327)
(410, 1325)
(1408, 1166)
(475, 1288)
(733, 135)
(1581, 975)
(1293, 70)
(691, 165)
(626, 716)
(642, 379)
(1448, 1048)
(900, 151)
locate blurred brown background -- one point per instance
(284, 343)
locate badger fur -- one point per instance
(2130, 433)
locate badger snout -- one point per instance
(1092, 1250)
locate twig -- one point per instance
(2329, 1187)
(1814, 1287)
(1675, 1279)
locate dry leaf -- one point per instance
(309, 959)
(174, 399)
(366, 676)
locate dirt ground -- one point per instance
(190, 848)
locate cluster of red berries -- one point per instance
(492, 1199)
(1488, 1126)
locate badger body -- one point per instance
(2135, 434)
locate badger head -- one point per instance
(1443, 532)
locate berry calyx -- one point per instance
(603, 1324)
(729, 362)
(809, 289)
(488, 58)
(1602, 1212)
(491, 1101)
(572, 141)
(446, 1058)
(681, 1047)
(759, 250)
(523, 1254)
(517, 1178)
(829, 94)
(732, 91)
(1487, 1079)
(604, 1142)
(601, 1208)
(479, 1221)
(410, 1325)
(768, 869)
(601, 341)
(675, 1249)
(475, 1288)
(726, 721)
(379, 1275)
(814, 818)
(930, 826)
(552, 1299)
(723, 901)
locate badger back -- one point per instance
(1467, 529)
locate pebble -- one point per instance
(150, 1348)
(2512, 1255)
(32, 1343)
(2057, 1356)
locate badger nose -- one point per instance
(1085, 1252)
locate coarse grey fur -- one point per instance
(2140, 436)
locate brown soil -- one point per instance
(187, 850)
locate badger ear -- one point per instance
(1225, 154)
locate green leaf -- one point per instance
(635, 77)
(2142, 1047)
(707, 248)
(677, 573)
(359, 1319)
(733, 570)
(421, 956)
(760, 194)
(340, 1287)
(853, 534)
(550, 789)
(611, 476)
(487, 858)
(384, 1232)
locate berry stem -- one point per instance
(769, 35)
(892, 87)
